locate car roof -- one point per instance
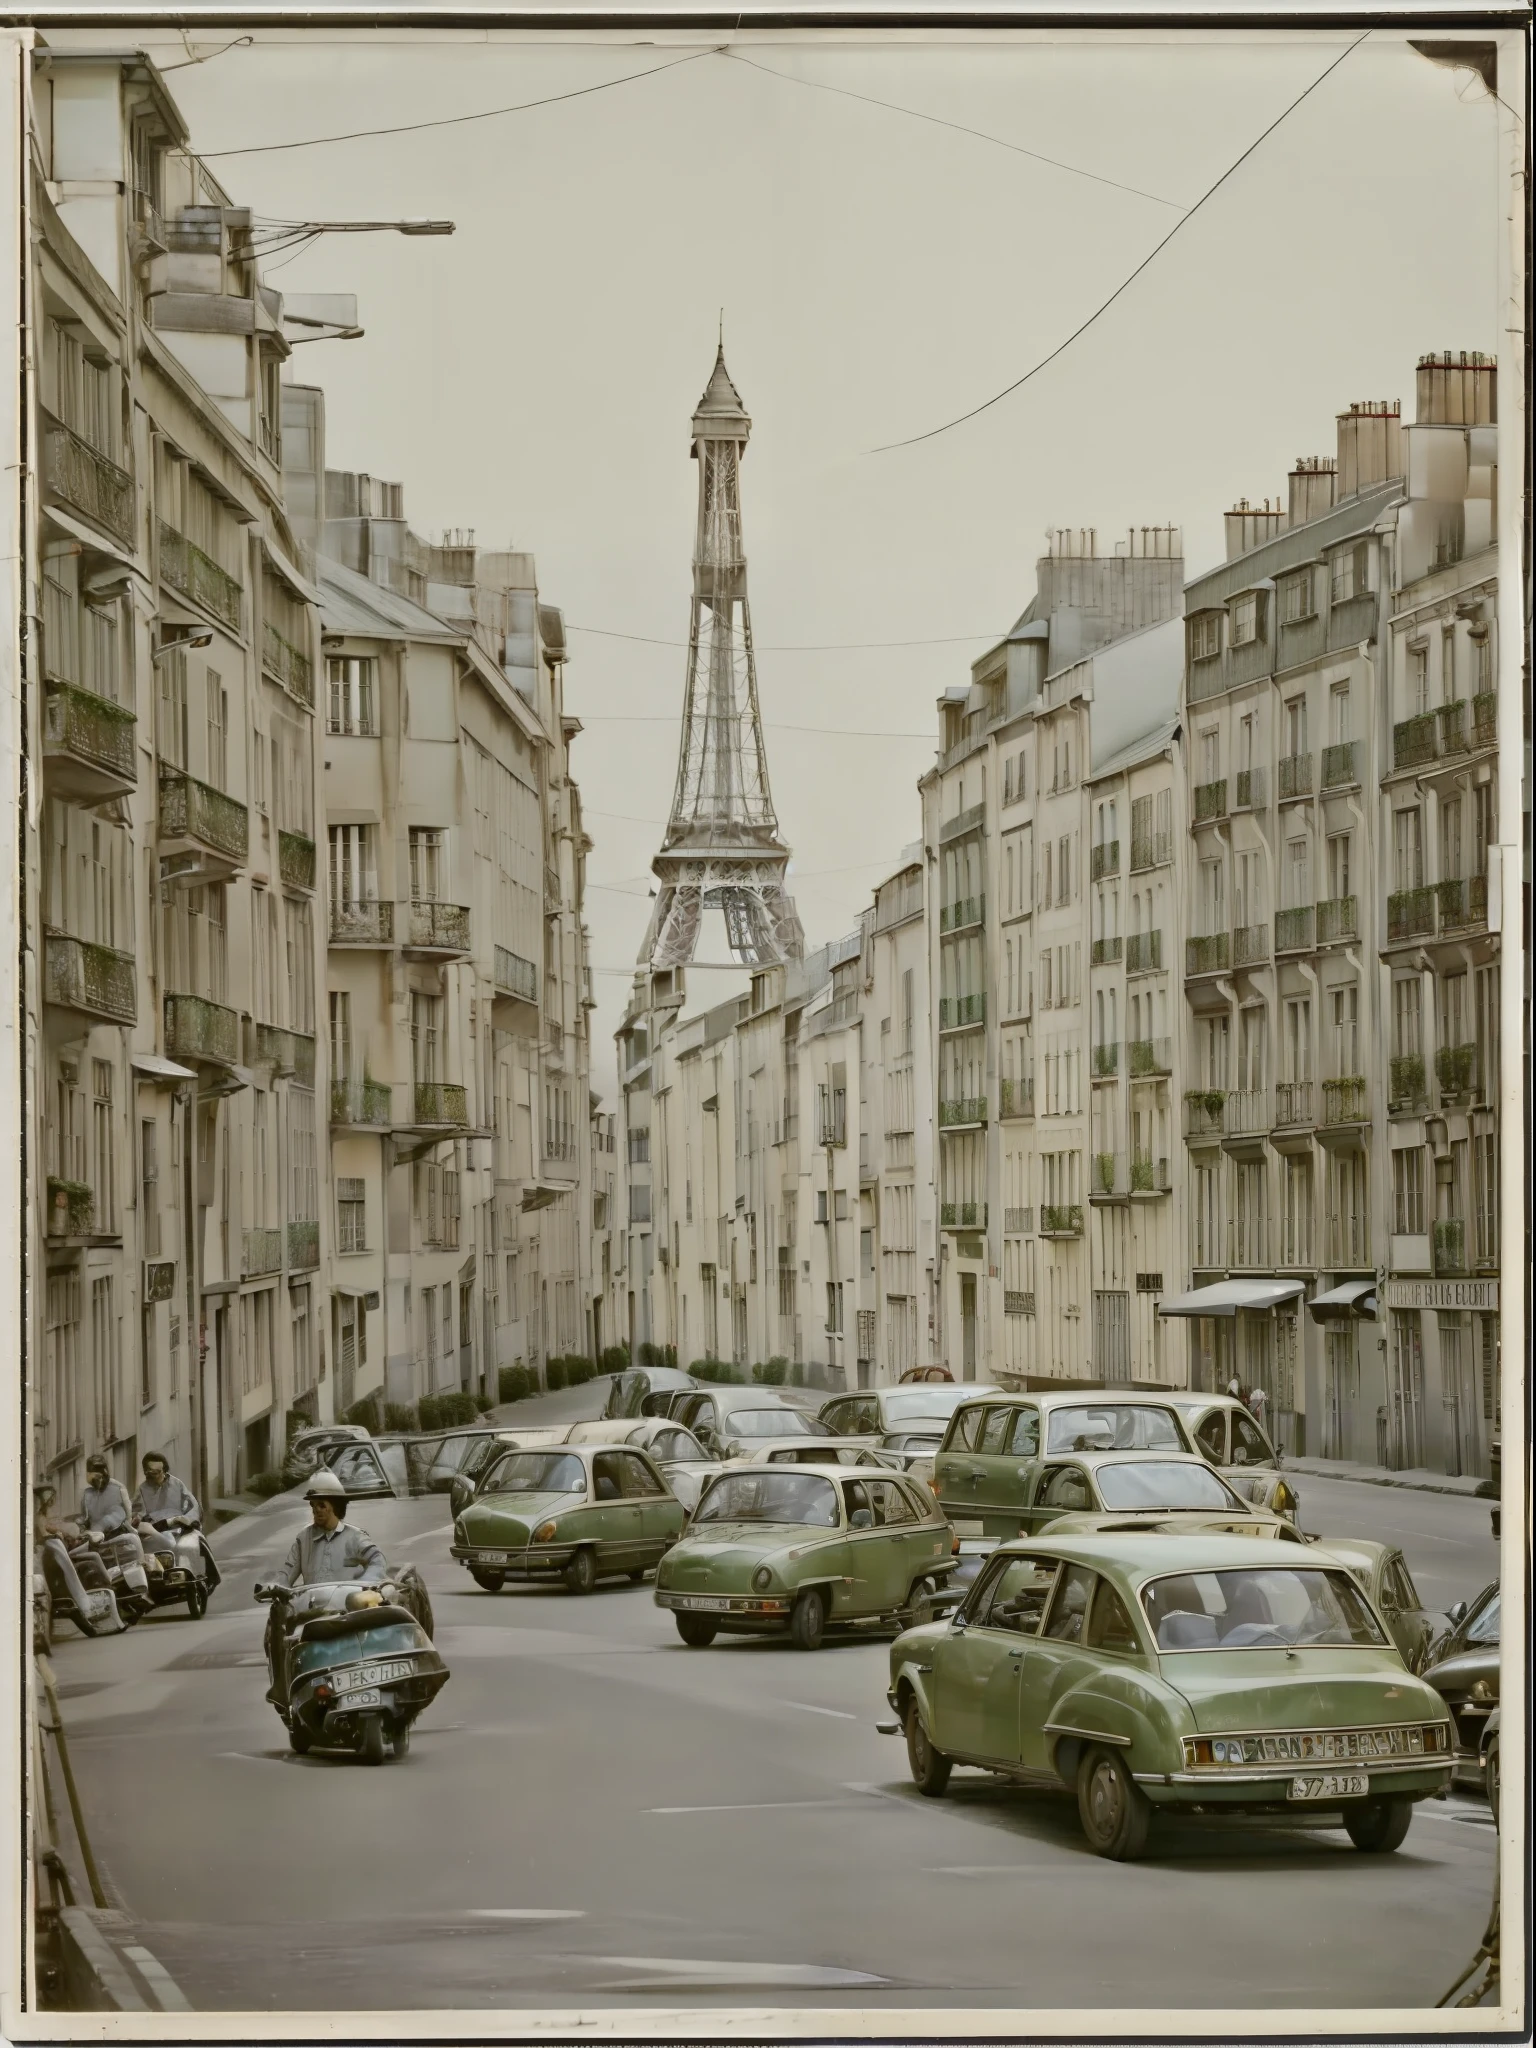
(1153, 1554)
(1139, 1456)
(1079, 1397)
(1364, 1548)
(734, 1395)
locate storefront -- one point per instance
(1351, 1419)
(1247, 1330)
(1442, 1406)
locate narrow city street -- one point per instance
(593, 1815)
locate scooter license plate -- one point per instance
(1332, 1785)
(361, 1699)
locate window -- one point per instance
(218, 732)
(1408, 1209)
(1346, 1030)
(1408, 1017)
(104, 1360)
(1296, 726)
(1408, 835)
(1338, 865)
(1245, 619)
(351, 1215)
(1418, 680)
(1014, 1597)
(429, 851)
(1210, 754)
(1205, 636)
(103, 1150)
(1296, 600)
(1109, 1626)
(353, 682)
(835, 1308)
(354, 867)
(1298, 1210)
(341, 1037)
(149, 1187)
(1349, 573)
(1069, 1607)
(426, 1037)
(1339, 717)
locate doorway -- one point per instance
(1406, 1421)
(968, 1326)
(1461, 1397)
(1341, 1391)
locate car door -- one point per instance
(918, 1542)
(836, 1417)
(1058, 1658)
(1396, 1603)
(977, 1663)
(1062, 1489)
(955, 1469)
(660, 1514)
(866, 1588)
(1211, 1439)
(896, 1528)
(616, 1515)
(361, 1470)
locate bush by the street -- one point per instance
(365, 1414)
(773, 1372)
(447, 1411)
(400, 1416)
(614, 1358)
(715, 1369)
(660, 1354)
(265, 1484)
(554, 1374)
(516, 1383)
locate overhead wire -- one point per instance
(913, 440)
(460, 120)
(794, 646)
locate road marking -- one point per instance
(420, 1537)
(685, 1971)
(753, 1806)
(159, 1980)
(526, 1913)
(832, 1713)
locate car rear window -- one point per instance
(538, 1472)
(1259, 1608)
(771, 1422)
(766, 1493)
(1149, 1483)
(1113, 1426)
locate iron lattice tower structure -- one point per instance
(722, 847)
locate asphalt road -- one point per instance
(594, 1816)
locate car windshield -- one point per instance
(926, 1404)
(1112, 1426)
(538, 1472)
(769, 1494)
(1484, 1627)
(1268, 1607)
(770, 1422)
(1150, 1483)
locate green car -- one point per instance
(1197, 1674)
(578, 1514)
(1128, 1484)
(988, 1463)
(796, 1549)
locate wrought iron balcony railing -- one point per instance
(1293, 929)
(198, 1029)
(957, 1111)
(1251, 789)
(362, 924)
(1017, 1098)
(1205, 1112)
(1413, 741)
(203, 816)
(1250, 944)
(1406, 1083)
(1411, 914)
(963, 1216)
(1293, 1104)
(88, 481)
(359, 1100)
(261, 1252)
(1152, 850)
(1453, 726)
(1106, 1060)
(88, 732)
(955, 917)
(1061, 1219)
(440, 1103)
(1485, 719)
(1210, 800)
(1143, 952)
(198, 576)
(1104, 859)
(1018, 1222)
(95, 980)
(1341, 765)
(1337, 919)
(295, 860)
(956, 1012)
(1346, 1100)
(1149, 1057)
(303, 1246)
(438, 928)
(963, 822)
(1105, 952)
(1294, 778)
(287, 665)
(516, 976)
(1463, 903)
(1211, 954)
(1247, 1112)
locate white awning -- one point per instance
(162, 1070)
(1226, 1297)
(1351, 1298)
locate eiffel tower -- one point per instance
(722, 847)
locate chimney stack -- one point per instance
(1312, 484)
(1249, 526)
(1370, 445)
(1458, 391)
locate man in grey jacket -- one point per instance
(104, 1505)
(326, 1552)
(164, 1507)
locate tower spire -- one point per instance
(722, 847)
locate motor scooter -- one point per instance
(122, 1558)
(184, 1572)
(354, 1667)
(78, 1588)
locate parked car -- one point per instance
(772, 1551)
(633, 1392)
(1244, 1521)
(576, 1512)
(1463, 1668)
(1239, 1447)
(468, 1481)
(732, 1422)
(986, 1466)
(677, 1453)
(405, 1466)
(1382, 1570)
(909, 1419)
(1169, 1674)
(826, 1450)
(308, 1447)
(1128, 1485)
(925, 1375)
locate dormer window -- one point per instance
(1297, 598)
(1245, 619)
(1205, 636)
(1349, 574)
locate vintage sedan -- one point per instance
(797, 1551)
(1131, 1486)
(576, 1513)
(643, 1390)
(682, 1460)
(825, 1450)
(1382, 1570)
(988, 1464)
(910, 1419)
(1239, 1448)
(1464, 1670)
(733, 1422)
(407, 1465)
(307, 1448)
(1189, 1674)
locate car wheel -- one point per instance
(492, 1582)
(370, 1745)
(1379, 1826)
(1112, 1807)
(919, 1608)
(929, 1767)
(299, 1739)
(695, 1630)
(1491, 1777)
(638, 1578)
(580, 1574)
(808, 1622)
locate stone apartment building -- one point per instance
(173, 951)
(457, 987)
(1042, 1236)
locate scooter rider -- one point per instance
(105, 1508)
(323, 1554)
(165, 1507)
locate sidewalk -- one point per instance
(1378, 1475)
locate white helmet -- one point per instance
(325, 1486)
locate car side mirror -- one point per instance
(1457, 1614)
(861, 1518)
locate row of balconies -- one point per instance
(1302, 930)
(1104, 859)
(968, 910)
(1114, 1177)
(440, 929)
(361, 1103)
(1458, 1075)
(262, 1249)
(1455, 906)
(1463, 727)
(1250, 1112)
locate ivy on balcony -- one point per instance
(91, 729)
(1406, 1081)
(1413, 741)
(1455, 1068)
(1411, 914)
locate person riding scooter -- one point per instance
(169, 1518)
(105, 1508)
(326, 1553)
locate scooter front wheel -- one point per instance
(197, 1600)
(401, 1740)
(370, 1745)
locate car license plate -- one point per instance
(492, 1557)
(1332, 1785)
(360, 1699)
(710, 1603)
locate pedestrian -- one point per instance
(105, 1508)
(1234, 1388)
(1257, 1402)
(325, 1553)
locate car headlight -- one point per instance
(545, 1532)
(762, 1579)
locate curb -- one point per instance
(1460, 1489)
(100, 1973)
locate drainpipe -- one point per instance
(197, 1407)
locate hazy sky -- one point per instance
(534, 376)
